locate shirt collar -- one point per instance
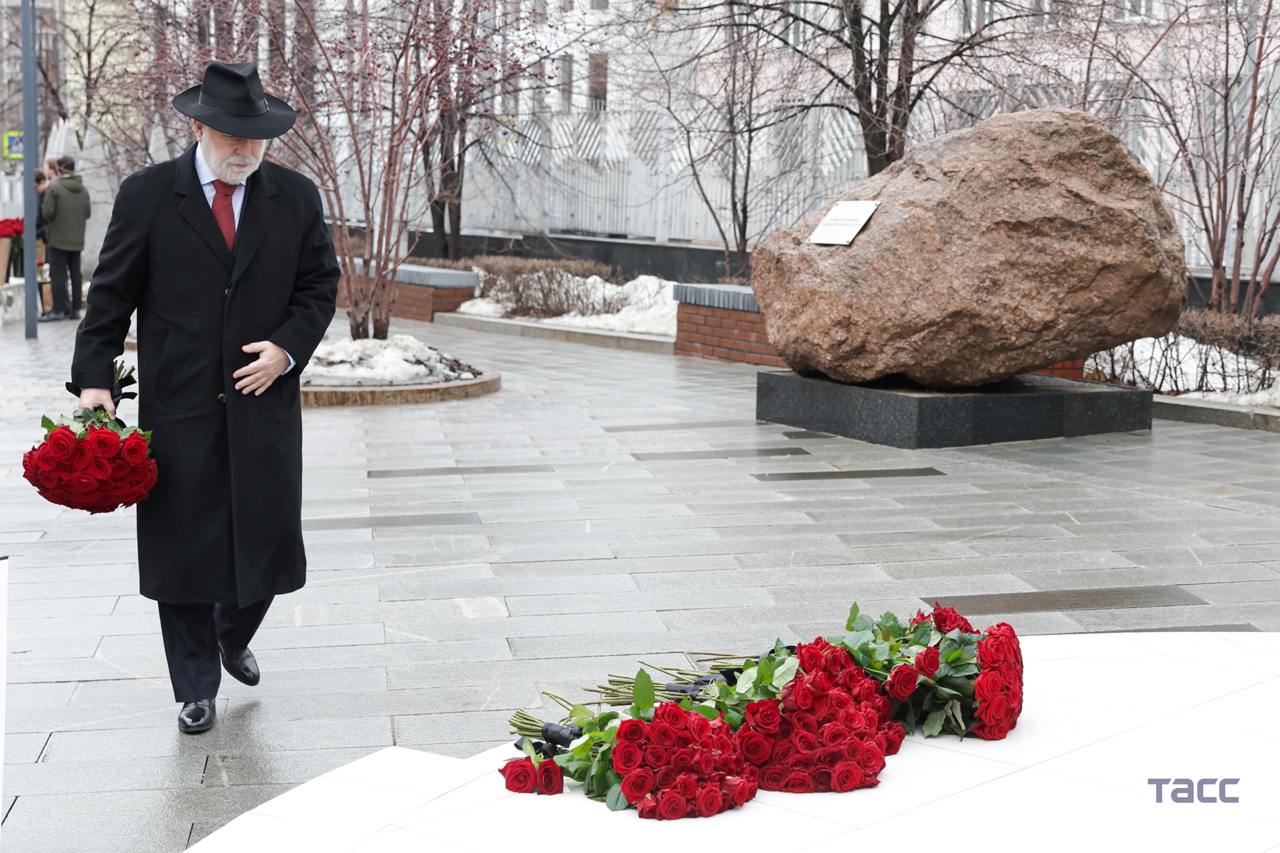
(203, 172)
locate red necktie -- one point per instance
(222, 212)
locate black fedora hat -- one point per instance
(231, 100)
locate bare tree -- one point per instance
(1202, 86)
(721, 93)
(876, 61)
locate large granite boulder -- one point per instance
(1031, 238)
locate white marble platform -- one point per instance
(1102, 714)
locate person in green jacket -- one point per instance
(66, 210)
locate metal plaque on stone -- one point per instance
(843, 222)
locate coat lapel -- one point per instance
(195, 207)
(256, 216)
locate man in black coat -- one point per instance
(229, 263)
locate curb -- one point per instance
(1219, 414)
(317, 396)
(592, 337)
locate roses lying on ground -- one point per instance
(522, 777)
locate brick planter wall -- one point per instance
(421, 292)
(723, 321)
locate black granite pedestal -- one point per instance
(901, 414)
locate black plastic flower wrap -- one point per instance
(122, 377)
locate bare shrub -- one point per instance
(1206, 351)
(542, 287)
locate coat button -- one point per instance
(222, 398)
(226, 292)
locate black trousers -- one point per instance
(62, 262)
(191, 635)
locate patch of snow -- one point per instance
(1176, 365)
(398, 360)
(648, 306)
(483, 306)
(1269, 397)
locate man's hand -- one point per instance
(258, 376)
(91, 398)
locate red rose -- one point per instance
(60, 444)
(671, 714)
(662, 734)
(798, 782)
(988, 685)
(648, 807)
(871, 758)
(837, 660)
(632, 731)
(810, 657)
(550, 777)
(947, 619)
(709, 801)
(134, 448)
(804, 722)
(796, 695)
(821, 777)
(682, 759)
(804, 741)
(764, 716)
(687, 785)
(833, 734)
(667, 777)
(699, 727)
(671, 805)
(894, 734)
(754, 746)
(846, 776)
(902, 682)
(738, 790)
(772, 777)
(627, 756)
(637, 784)
(520, 775)
(104, 440)
(704, 763)
(820, 682)
(927, 661)
(655, 756)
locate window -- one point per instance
(538, 88)
(979, 13)
(597, 81)
(1131, 9)
(566, 83)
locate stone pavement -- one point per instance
(605, 506)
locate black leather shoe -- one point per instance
(74, 315)
(51, 315)
(241, 665)
(196, 717)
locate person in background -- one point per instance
(65, 206)
(42, 184)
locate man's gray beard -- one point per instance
(235, 175)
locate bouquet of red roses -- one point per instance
(665, 761)
(92, 461)
(944, 674)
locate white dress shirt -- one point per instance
(206, 178)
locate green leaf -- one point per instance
(526, 746)
(47, 423)
(787, 671)
(615, 800)
(746, 680)
(933, 723)
(581, 716)
(707, 709)
(642, 691)
(853, 617)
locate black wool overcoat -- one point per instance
(224, 521)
